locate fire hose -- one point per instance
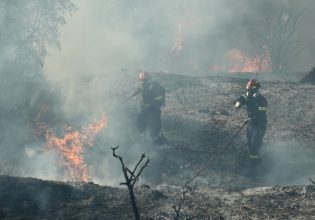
(216, 155)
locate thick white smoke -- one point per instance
(105, 42)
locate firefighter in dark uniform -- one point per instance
(153, 98)
(256, 105)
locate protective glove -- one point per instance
(237, 104)
(247, 120)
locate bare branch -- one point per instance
(140, 171)
(142, 157)
(312, 181)
(114, 151)
(131, 173)
(187, 190)
(177, 211)
(190, 189)
(131, 178)
(294, 25)
(280, 23)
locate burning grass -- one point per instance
(71, 146)
(237, 61)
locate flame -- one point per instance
(243, 63)
(71, 146)
(178, 44)
(240, 62)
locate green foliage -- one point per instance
(27, 27)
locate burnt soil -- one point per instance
(27, 198)
(198, 121)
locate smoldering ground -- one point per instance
(288, 164)
(102, 38)
(201, 125)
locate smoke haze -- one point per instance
(187, 37)
(104, 43)
(103, 37)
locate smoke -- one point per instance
(142, 34)
(40, 164)
(106, 42)
(102, 46)
(103, 37)
(287, 164)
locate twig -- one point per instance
(188, 190)
(131, 178)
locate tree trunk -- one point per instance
(133, 202)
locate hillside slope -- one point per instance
(27, 198)
(198, 121)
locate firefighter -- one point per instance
(256, 105)
(153, 98)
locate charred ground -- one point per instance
(198, 120)
(27, 198)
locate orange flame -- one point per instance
(240, 62)
(71, 149)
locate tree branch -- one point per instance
(131, 179)
(139, 173)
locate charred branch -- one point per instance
(279, 34)
(187, 190)
(131, 177)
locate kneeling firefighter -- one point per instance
(256, 105)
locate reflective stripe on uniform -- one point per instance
(254, 156)
(262, 108)
(158, 98)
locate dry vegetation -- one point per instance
(36, 199)
(198, 120)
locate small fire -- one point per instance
(71, 146)
(178, 45)
(240, 62)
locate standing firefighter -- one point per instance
(153, 98)
(257, 118)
